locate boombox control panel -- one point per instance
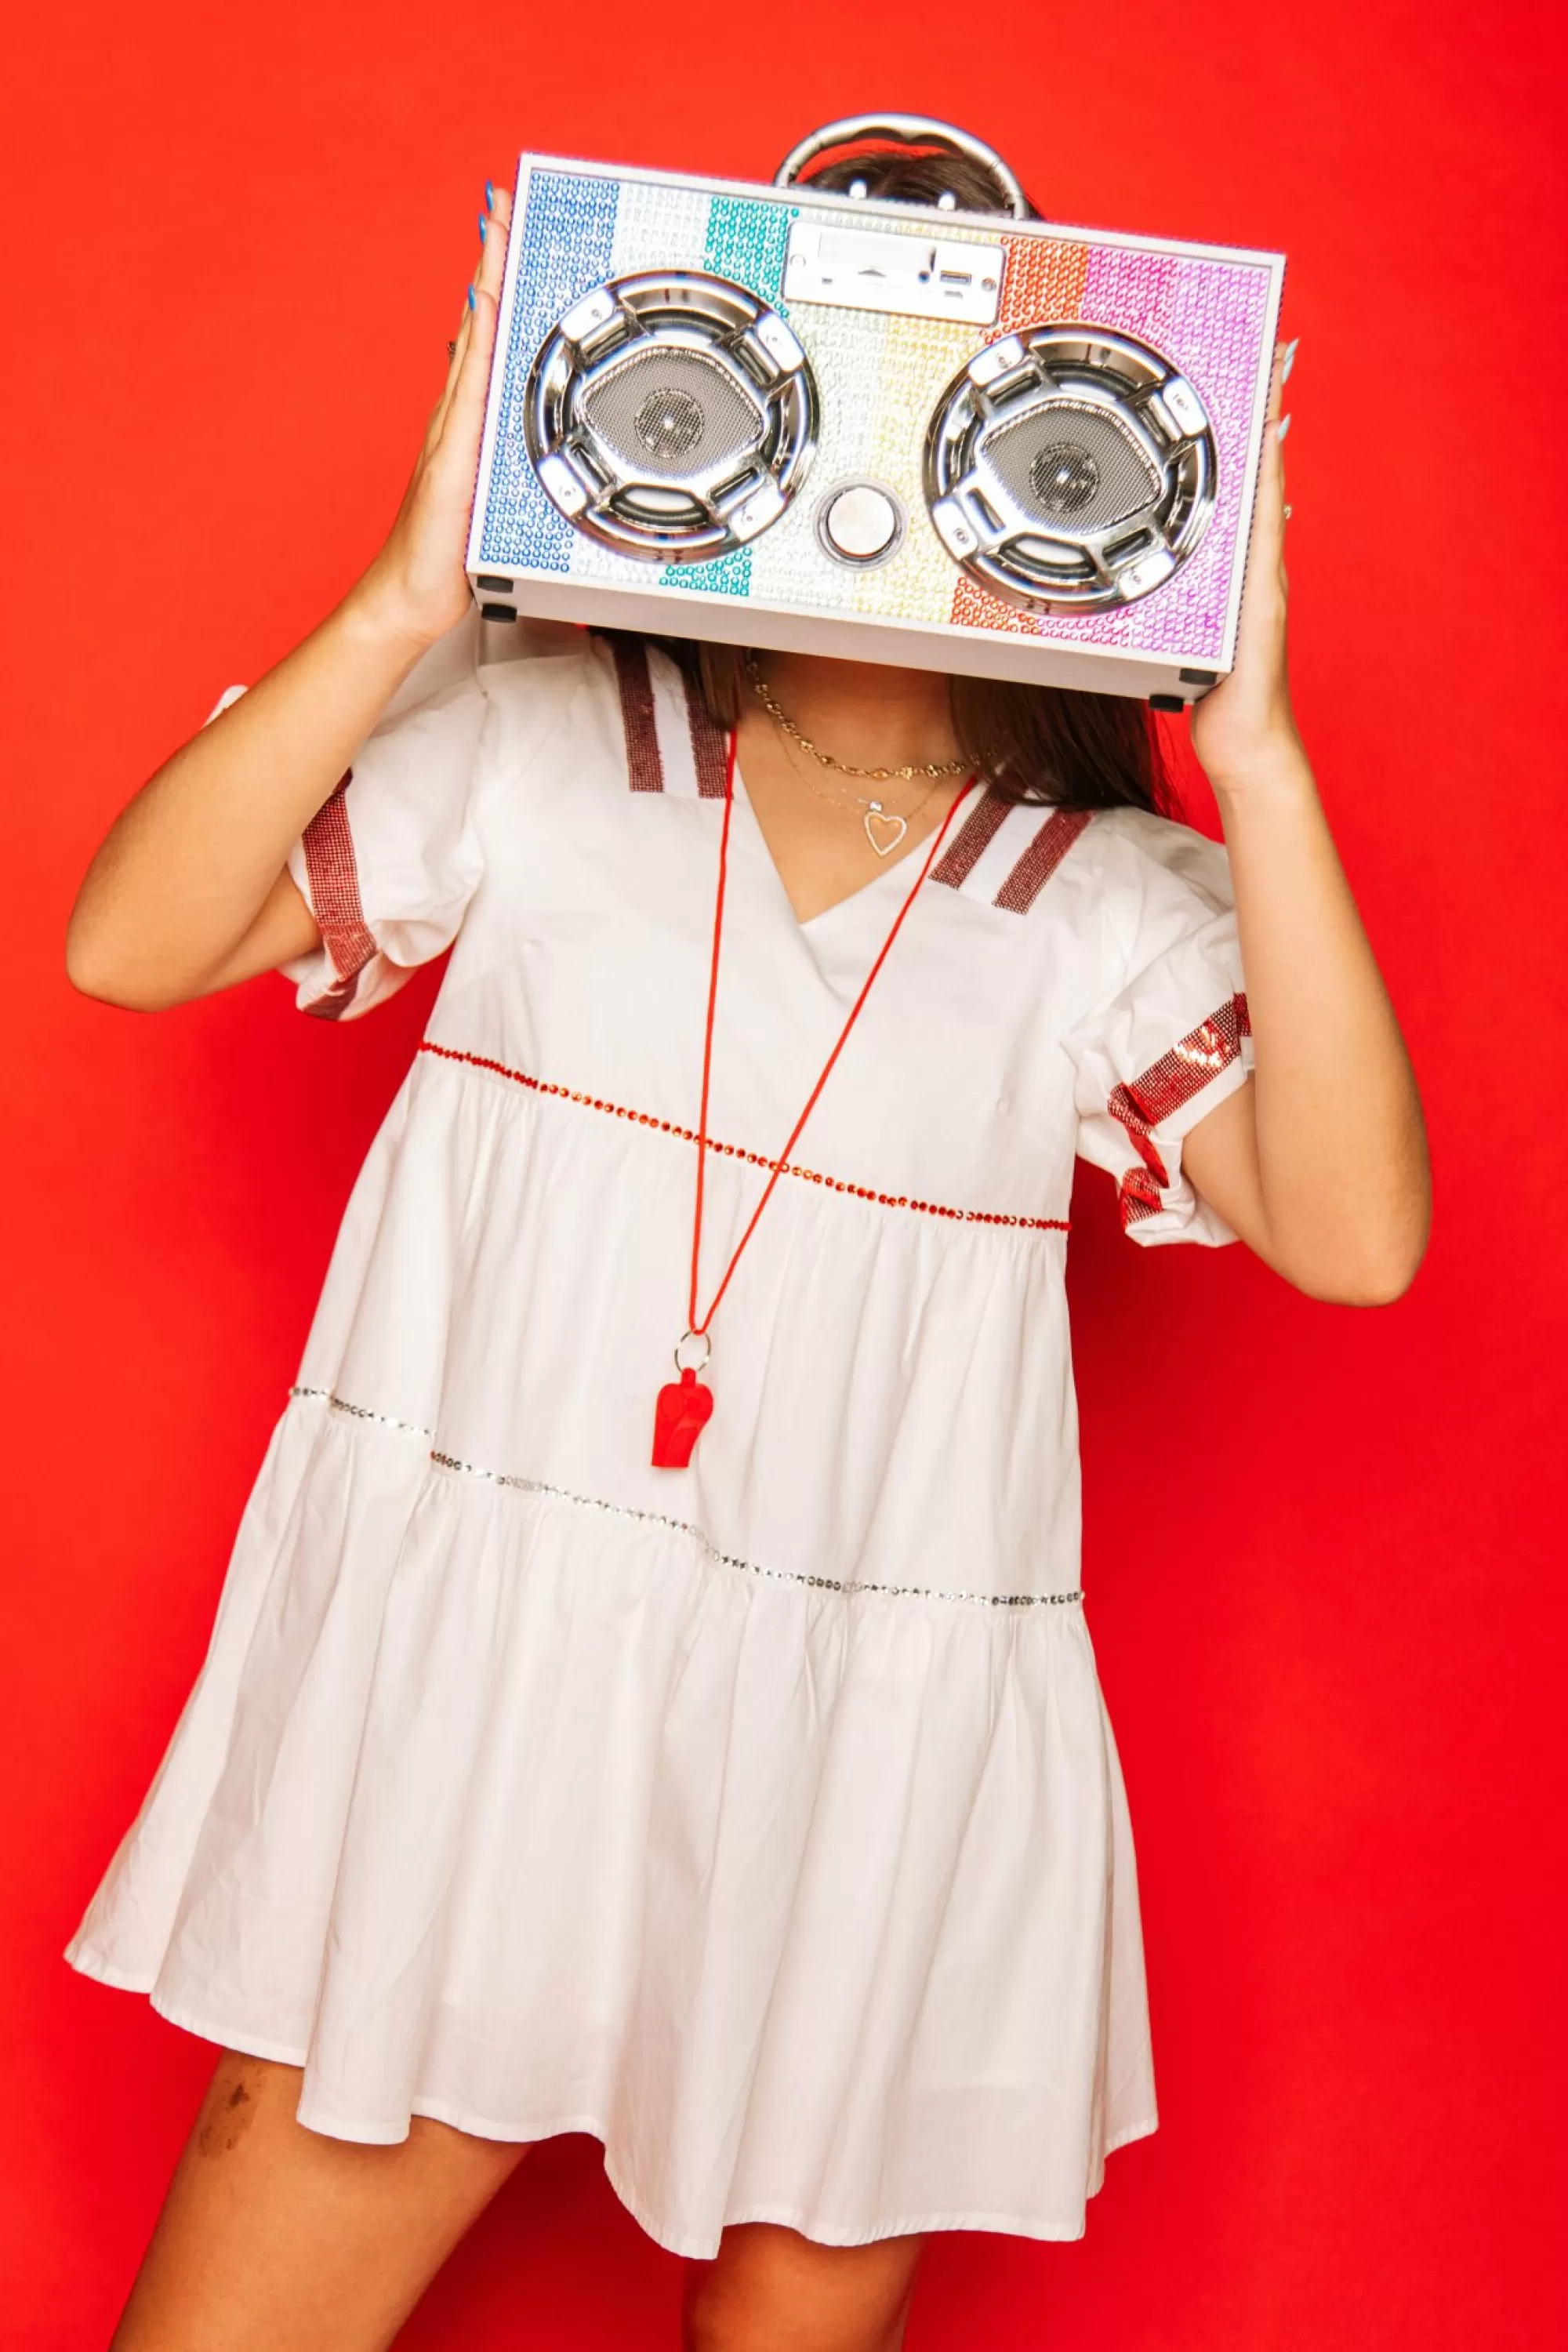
(785, 418)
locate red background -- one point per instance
(1322, 1548)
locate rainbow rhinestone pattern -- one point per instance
(879, 376)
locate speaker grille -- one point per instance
(669, 412)
(1067, 465)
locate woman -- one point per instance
(716, 1765)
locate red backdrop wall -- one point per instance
(1323, 1552)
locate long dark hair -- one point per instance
(1071, 750)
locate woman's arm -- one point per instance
(1319, 1164)
(189, 891)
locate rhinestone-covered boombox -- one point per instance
(834, 424)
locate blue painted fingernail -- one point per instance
(1281, 429)
(489, 196)
(484, 228)
(473, 299)
(1289, 362)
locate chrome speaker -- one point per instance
(1068, 468)
(671, 414)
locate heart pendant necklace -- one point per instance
(684, 1406)
(886, 829)
(890, 821)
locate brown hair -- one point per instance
(1071, 750)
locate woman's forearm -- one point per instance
(188, 891)
(189, 865)
(1320, 1163)
(1342, 1189)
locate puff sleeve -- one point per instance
(388, 865)
(1169, 1038)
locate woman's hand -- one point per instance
(417, 585)
(1320, 1163)
(190, 891)
(1243, 725)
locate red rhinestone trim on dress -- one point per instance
(1040, 860)
(1138, 1195)
(644, 769)
(645, 760)
(737, 1152)
(709, 744)
(333, 874)
(1139, 1105)
(979, 829)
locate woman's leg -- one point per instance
(276, 2238)
(771, 2289)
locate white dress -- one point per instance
(763, 1817)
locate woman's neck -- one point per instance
(865, 713)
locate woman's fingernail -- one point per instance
(489, 196)
(484, 228)
(473, 299)
(1289, 361)
(1280, 430)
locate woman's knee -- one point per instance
(273, 2234)
(772, 2289)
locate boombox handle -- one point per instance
(905, 131)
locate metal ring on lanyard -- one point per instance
(706, 1344)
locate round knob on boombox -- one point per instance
(859, 522)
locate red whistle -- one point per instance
(679, 1418)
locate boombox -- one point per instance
(776, 417)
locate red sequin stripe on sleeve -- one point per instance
(1138, 1195)
(333, 875)
(1139, 1105)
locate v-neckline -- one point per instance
(806, 924)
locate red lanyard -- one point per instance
(684, 1406)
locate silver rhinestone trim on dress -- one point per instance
(363, 1412)
(454, 1467)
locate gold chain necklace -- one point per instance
(884, 828)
